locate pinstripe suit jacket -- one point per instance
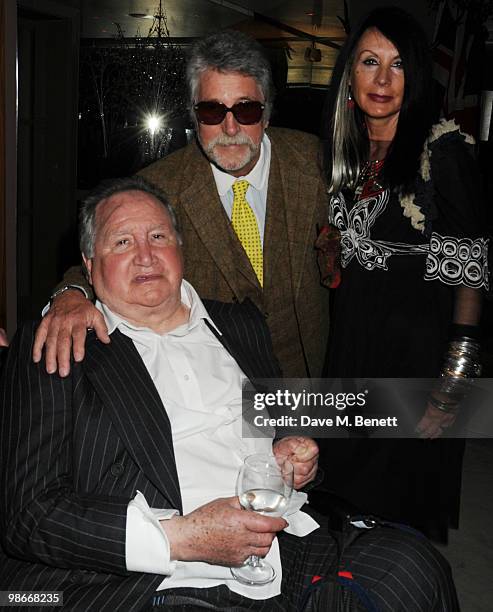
(74, 451)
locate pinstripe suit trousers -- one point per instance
(400, 571)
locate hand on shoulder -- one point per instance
(64, 328)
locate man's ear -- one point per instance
(88, 266)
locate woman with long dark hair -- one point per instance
(405, 197)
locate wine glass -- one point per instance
(265, 484)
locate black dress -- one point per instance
(391, 318)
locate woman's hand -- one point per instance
(434, 422)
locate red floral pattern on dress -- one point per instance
(328, 245)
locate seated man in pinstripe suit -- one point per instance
(118, 481)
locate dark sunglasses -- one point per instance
(213, 113)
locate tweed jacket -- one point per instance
(75, 450)
(294, 302)
(292, 299)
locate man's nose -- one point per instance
(230, 126)
(143, 253)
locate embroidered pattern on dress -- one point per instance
(412, 203)
(458, 261)
(355, 226)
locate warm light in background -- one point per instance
(153, 123)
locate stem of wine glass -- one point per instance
(253, 561)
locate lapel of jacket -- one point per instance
(241, 358)
(124, 386)
(294, 184)
(245, 335)
(201, 202)
(275, 242)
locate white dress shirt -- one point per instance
(200, 385)
(256, 195)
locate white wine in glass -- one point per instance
(265, 484)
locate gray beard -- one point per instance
(224, 139)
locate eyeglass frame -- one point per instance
(230, 109)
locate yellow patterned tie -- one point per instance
(246, 228)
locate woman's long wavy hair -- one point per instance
(346, 143)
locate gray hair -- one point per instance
(230, 51)
(346, 139)
(90, 204)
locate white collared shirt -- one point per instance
(256, 195)
(200, 385)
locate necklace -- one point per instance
(367, 181)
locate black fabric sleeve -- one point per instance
(43, 518)
(3, 355)
(458, 249)
(459, 195)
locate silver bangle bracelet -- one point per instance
(462, 359)
(459, 370)
(454, 385)
(449, 407)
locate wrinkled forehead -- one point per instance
(229, 85)
(137, 208)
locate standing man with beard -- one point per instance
(248, 203)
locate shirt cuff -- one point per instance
(146, 543)
(71, 286)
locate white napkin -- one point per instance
(300, 523)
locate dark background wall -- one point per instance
(52, 139)
(47, 131)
